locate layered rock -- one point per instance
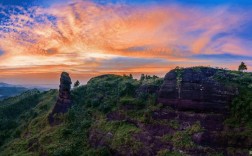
(196, 96)
(64, 99)
(196, 90)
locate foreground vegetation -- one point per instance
(24, 128)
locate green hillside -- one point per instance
(106, 116)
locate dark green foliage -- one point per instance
(17, 112)
(128, 89)
(147, 79)
(104, 92)
(77, 83)
(92, 102)
(241, 107)
(24, 128)
(12, 111)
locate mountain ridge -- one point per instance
(119, 115)
(10, 90)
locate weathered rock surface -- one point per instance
(195, 91)
(64, 101)
(196, 96)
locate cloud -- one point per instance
(124, 63)
(83, 36)
(1, 52)
(223, 57)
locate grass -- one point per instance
(121, 135)
(27, 132)
(167, 138)
(182, 140)
(165, 152)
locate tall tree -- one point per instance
(142, 77)
(242, 67)
(131, 76)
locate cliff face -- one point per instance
(197, 97)
(196, 90)
(64, 99)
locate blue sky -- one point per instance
(244, 3)
(88, 38)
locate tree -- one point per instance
(147, 77)
(76, 84)
(128, 90)
(242, 67)
(155, 77)
(142, 77)
(130, 76)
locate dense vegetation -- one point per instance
(241, 108)
(24, 128)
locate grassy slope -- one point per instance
(28, 131)
(32, 135)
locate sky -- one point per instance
(40, 39)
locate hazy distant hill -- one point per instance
(9, 90)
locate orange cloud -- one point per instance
(80, 35)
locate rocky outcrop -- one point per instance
(195, 90)
(195, 96)
(64, 99)
(188, 118)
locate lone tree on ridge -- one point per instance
(242, 67)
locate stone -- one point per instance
(196, 96)
(198, 91)
(64, 101)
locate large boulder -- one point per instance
(198, 96)
(195, 90)
(64, 99)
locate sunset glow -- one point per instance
(89, 38)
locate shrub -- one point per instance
(182, 140)
(131, 101)
(165, 152)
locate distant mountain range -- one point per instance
(9, 90)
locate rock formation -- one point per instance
(64, 98)
(196, 96)
(189, 89)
